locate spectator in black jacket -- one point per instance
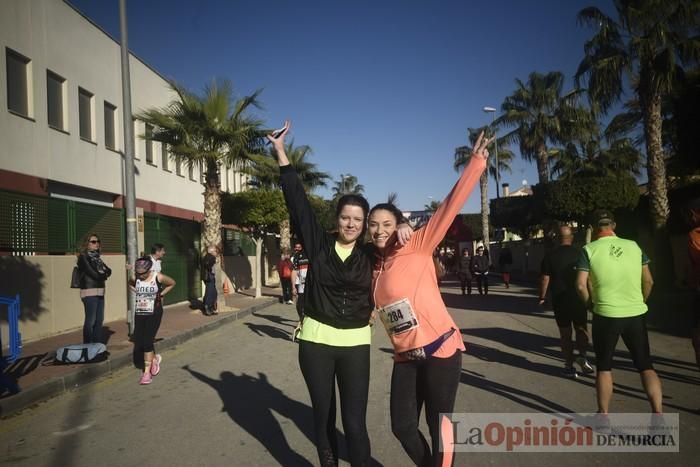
(93, 274)
(209, 278)
(480, 269)
(334, 341)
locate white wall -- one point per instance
(48, 305)
(56, 37)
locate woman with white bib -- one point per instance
(150, 288)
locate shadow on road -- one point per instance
(527, 399)
(281, 320)
(270, 331)
(548, 347)
(508, 302)
(250, 402)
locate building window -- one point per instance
(85, 113)
(148, 134)
(165, 158)
(110, 126)
(178, 166)
(55, 100)
(190, 172)
(19, 97)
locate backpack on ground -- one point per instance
(81, 353)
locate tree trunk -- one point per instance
(542, 164)
(662, 257)
(285, 236)
(211, 230)
(656, 164)
(258, 266)
(484, 185)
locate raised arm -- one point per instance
(302, 215)
(428, 238)
(167, 282)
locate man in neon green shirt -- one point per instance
(614, 278)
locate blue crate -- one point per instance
(13, 310)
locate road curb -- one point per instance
(91, 372)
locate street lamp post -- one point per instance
(492, 110)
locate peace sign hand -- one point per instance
(481, 145)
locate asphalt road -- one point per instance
(235, 397)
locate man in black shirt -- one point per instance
(480, 269)
(559, 276)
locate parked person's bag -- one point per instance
(75, 278)
(80, 353)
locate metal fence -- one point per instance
(31, 225)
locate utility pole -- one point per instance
(129, 182)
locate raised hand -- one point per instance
(481, 145)
(277, 140)
(277, 136)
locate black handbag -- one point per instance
(75, 278)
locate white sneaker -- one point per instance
(586, 367)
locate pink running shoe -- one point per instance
(155, 365)
(146, 378)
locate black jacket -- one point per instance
(92, 275)
(480, 264)
(337, 293)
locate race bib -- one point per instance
(146, 295)
(398, 317)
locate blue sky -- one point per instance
(382, 89)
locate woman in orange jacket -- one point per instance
(427, 343)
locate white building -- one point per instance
(61, 134)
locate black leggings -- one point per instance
(321, 366)
(482, 283)
(145, 330)
(432, 382)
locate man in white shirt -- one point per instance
(157, 253)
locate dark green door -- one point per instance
(181, 239)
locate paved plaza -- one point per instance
(234, 396)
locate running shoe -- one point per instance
(146, 378)
(569, 372)
(586, 367)
(155, 364)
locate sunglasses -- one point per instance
(94, 241)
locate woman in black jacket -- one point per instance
(93, 274)
(335, 335)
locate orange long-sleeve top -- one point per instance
(409, 272)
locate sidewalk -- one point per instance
(39, 382)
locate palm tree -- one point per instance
(647, 46)
(432, 206)
(588, 154)
(347, 185)
(505, 156)
(538, 111)
(265, 173)
(210, 130)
